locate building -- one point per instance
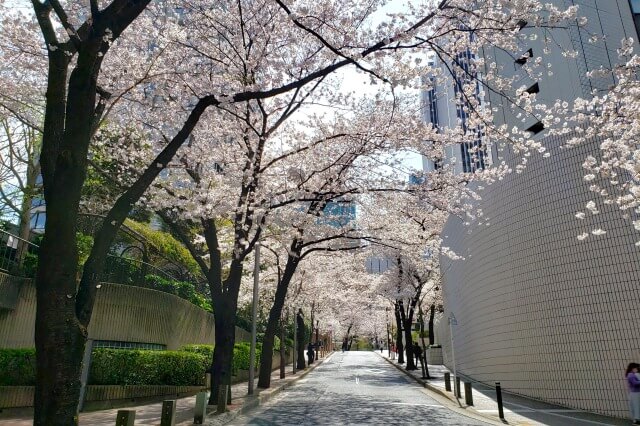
(544, 314)
(444, 107)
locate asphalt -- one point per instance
(357, 388)
(518, 410)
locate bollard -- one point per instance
(168, 417)
(458, 394)
(125, 417)
(222, 399)
(207, 380)
(447, 382)
(468, 397)
(201, 408)
(499, 398)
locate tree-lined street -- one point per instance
(354, 388)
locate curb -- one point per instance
(263, 396)
(463, 409)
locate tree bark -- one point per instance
(275, 313)
(399, 345)
(406, 322)
(225, 306)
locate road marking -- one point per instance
(357, 380)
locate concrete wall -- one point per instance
(546, 315)
(121, 313)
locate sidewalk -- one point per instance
(518, 410)
(150, 414)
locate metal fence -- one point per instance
(20, 257)
(16, 254)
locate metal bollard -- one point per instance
(125, 417)
(468, 396)
(201, 408)
(458, 392)
(168, 417)
(499, 397)
(447, 382)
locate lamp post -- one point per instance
(386, 310)
(254, 318)
(453, 321)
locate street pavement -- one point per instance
(355, 388)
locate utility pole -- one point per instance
(254, 317)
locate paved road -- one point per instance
(354, 388)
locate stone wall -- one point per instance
(121, 313)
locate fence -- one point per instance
(20, 257)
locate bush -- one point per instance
(241, 356)
(183, 289)
(204, 350)
(143, 367)
(17, 367)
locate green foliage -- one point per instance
(18, 367)
(142, 367)
(183, 289)
(241, 356)
(167, 246)
(30, 262)
(204, 350)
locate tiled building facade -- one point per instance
(548, 316)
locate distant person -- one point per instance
(633, 383)
(344, 345)
(417, 351)
(310, 353)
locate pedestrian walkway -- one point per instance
(518, 410)
(149, 414)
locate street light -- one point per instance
(254, 317)
(453, 321)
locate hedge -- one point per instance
(143, 367)
(241, 354)
(129, 366)
(17, 367)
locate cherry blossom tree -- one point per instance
(169, 71)
(613, 120)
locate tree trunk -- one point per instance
(399, 345)
(432, 312)
(33, 170)
(224, 311)
(283, 353)
(59, 336)
(266, 357)
(411, 365)
(424, 346)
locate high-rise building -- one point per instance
(445, 107)
(546, 315)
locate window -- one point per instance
(525, 57)
(533, 89)
(113, 344)
(37, 221)
(536, 128)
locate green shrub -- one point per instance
(183, 289)
(241, 356)
(17, 367)
(204, 350)
(142, 367)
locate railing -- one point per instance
(16, 254)
(19, 257)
